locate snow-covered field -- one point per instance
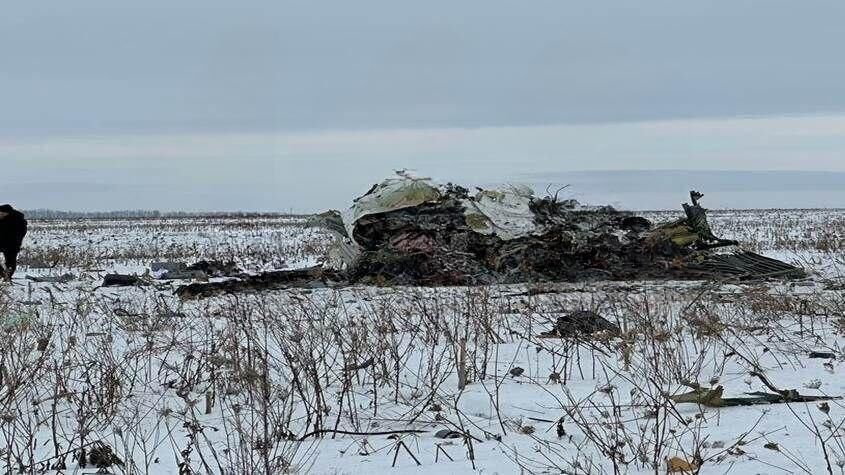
(375, 380)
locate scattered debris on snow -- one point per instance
(412, 231)
(53, 279)
(121, 280)
(582, 323)
(712, 397)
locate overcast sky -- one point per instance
(247, 104)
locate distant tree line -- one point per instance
(148, 214)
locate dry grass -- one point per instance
(265, 383)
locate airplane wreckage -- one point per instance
(414, 232)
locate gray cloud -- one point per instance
(283, 104)
(96, 66)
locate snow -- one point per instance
(135, 367)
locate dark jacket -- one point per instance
(12, 231)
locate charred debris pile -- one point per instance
(411, 231)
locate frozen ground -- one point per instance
(362, 380)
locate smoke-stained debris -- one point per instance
(121, 280)
(411, 231)
(312, 277)
(582, 323)
(201, 270)
(746, 266)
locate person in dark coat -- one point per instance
(13, 227)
